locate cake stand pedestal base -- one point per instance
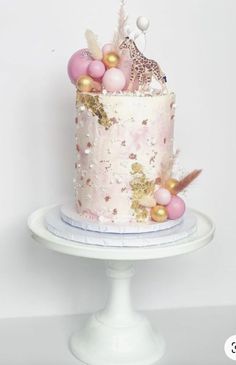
(118, 334)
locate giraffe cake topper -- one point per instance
(118, 66)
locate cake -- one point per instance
(124, 134)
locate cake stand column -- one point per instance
(118, 335)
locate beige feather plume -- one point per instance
(120, 32)
(182, 184)
(93, 45)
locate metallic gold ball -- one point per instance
(171, 184)
(159, 213)
(111, 59)
(85, 84)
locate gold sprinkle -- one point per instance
(132, 156)
(114, 211)
(144, 122)
(107, 198)
(136, 167)
(123, 143)
(92, 103)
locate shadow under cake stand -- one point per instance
(119, 335)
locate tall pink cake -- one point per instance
(124, 135)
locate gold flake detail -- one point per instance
(92, 103)
(140, 187)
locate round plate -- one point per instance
(58, 227)
(70, 216)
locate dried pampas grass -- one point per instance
(187, 180)
(93, 45)
(122, 22)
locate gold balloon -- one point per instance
(159, 213)
(111, 59)
(85, 84)
(171, 184)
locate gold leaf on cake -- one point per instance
(141, 187)
(92, 103)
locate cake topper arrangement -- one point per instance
(118, 66)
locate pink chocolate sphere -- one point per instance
(107, 48)
(78, 64)
(175, 208)
(114, 80)
(96, 69)
(162, 196)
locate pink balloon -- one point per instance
(78, 64)
(113, 80)
(162, 196)
(107, 48)
(125, 66)
(96, 69)
(176, 207)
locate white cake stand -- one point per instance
(118, 335)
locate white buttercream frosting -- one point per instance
(140, 131)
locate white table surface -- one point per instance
(43, 340)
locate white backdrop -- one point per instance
(194, 40)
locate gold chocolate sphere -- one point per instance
(171, 184)
(111, 59)
(159, 213)
(85, 83)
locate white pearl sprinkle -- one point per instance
(82, 108)
(87, 151)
